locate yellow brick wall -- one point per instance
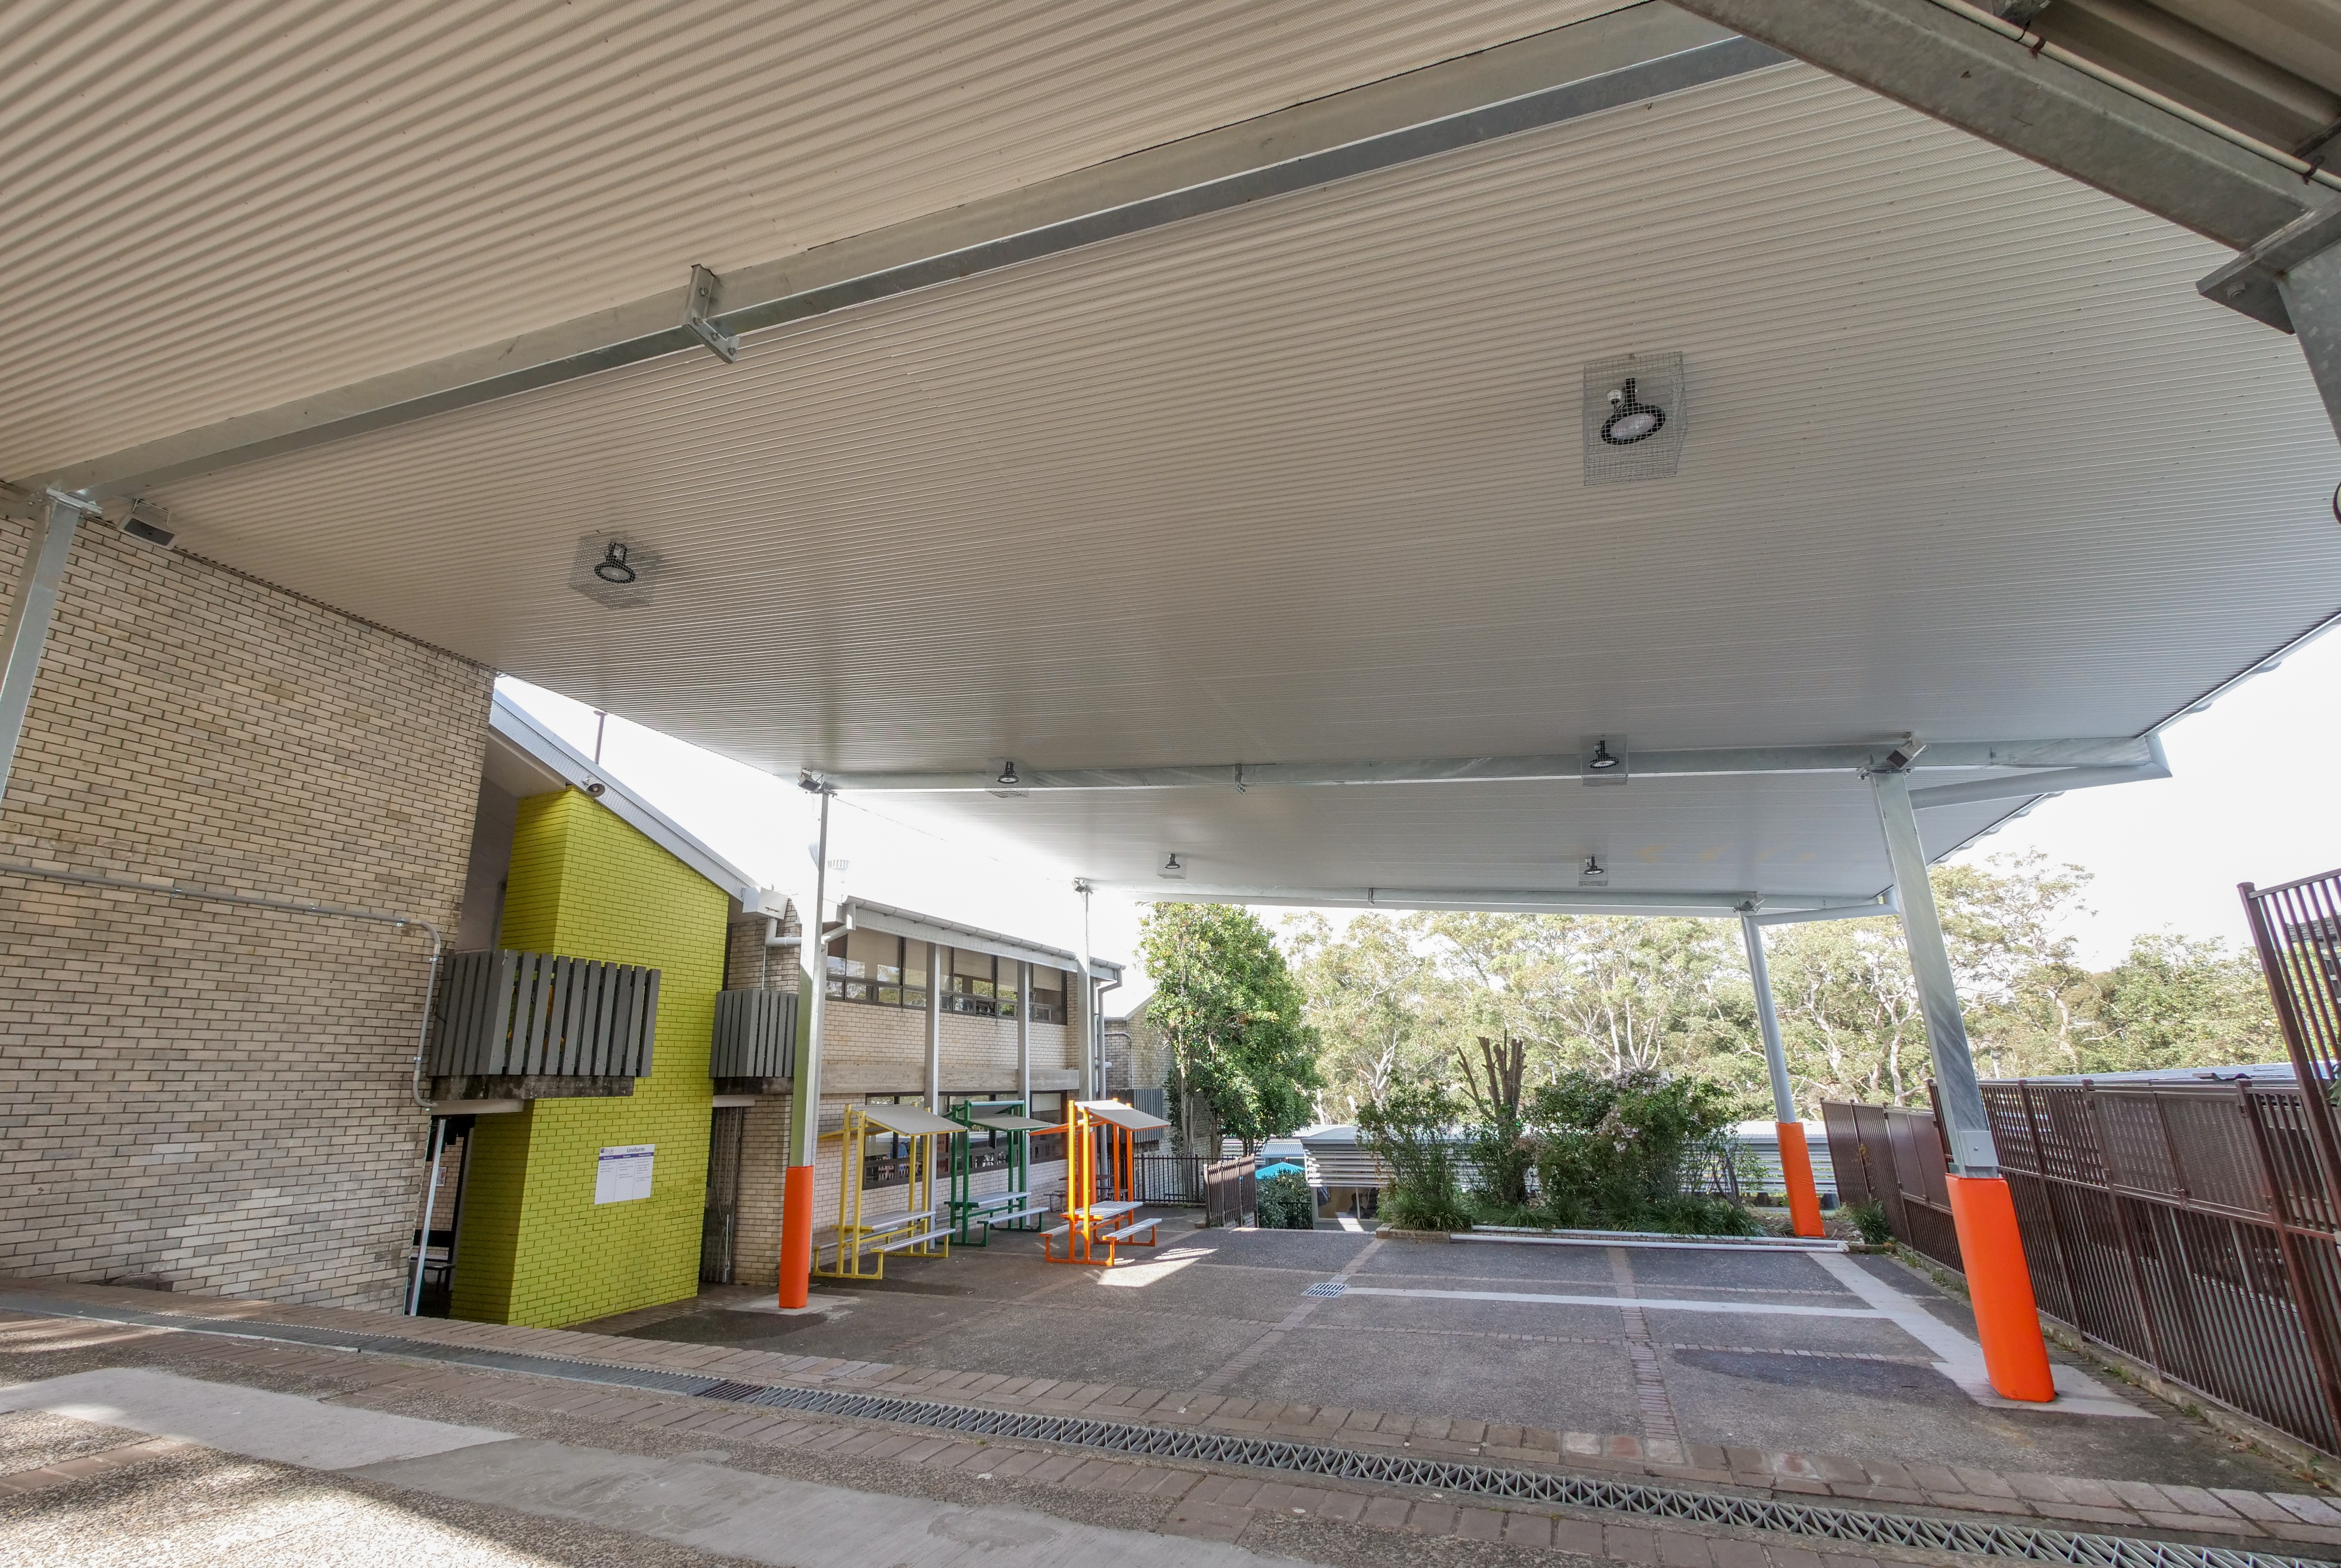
(536, 1249)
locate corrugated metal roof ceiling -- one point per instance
(1967, 456)
(214, 208)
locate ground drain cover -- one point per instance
(1327, 1289)
(1968, 1537)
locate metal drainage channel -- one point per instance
(1972, 1538)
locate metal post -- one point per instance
(430, 1201)
(29, 614)
(1796, 1158)
(804, 1094)
(934, 1028)
(1093, 1088)
(1983, 1212)
(1024, 1037)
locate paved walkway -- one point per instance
(1249, 1508)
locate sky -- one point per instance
(2251, 798)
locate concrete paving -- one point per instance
(1745, 1367)
(563, 1468)
(710, 1508)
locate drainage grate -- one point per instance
(1325, 1290)
(1971, 1538)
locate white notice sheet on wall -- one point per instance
(624, 1174)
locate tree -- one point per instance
(1617, 996)
(2179, 1002)
(1243, 1058)
(1364, 995)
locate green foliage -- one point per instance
(1243, 1060)
(1503, 1156)
(1412, 1130)
(1611, 1149)
(1285, 1203)
(2179, 1002)
(1409, 999)
(1869, 1219)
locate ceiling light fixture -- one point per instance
(1601, 760)
(1008, 775)
(612, 567)
(1631, 419)
(1595, 873)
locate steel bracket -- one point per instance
(699, 312)
(2249, 283)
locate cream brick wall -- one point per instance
(867, 1050)
(212, 1094)
(756, 1247)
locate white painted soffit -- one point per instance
(245, 205)
(1301, 483)
(513, 726)
(862, 915)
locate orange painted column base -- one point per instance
(1999, 1284)
(1796, 1173)
(796, 1236)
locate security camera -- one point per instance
(594, 788)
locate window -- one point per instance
(981, 984)
(873, 966)
(1048, 996)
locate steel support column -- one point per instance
(1024, 1035)
(1983, 1212)
(29, 611)
(805, 1093)
(1796, 1159)
(1090, 1087)
(935, 978)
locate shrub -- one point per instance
(1502, 1156)
(1285, 1203)
(1869, 1219)
(1611, 1151)
(1411, 1129)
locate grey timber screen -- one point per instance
(755, 1035)
(513, 1015)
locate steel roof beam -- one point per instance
(1605, 63)
(1961, 70)
(1525, 901)
(1715, 762)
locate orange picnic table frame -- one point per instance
(1102, 1203)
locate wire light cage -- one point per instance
(1635, 418)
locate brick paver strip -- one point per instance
(1972, 1489)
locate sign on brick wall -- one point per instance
(624, 1174)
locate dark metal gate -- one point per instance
(1893, 1156)
(720, 1227)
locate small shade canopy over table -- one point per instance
(1101, 1201)
(862, 1243)
(973, 1217)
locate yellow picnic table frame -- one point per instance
(859, 1247)
(1102, 1205)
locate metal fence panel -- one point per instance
(2188, 1224)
